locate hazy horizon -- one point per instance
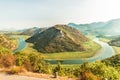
(44, 13)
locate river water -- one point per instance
(21, 45)
(105, 52)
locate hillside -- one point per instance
(59, 38)
(110, 27)
(113, 61)
(6, 42)
(115, 42)
(31, 31)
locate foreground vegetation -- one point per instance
(33, 62)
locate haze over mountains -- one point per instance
(31, 31)
(111, 27)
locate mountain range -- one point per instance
(111, 27)
(31, 31)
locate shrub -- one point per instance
(7, 60)
(59, 69)
(88, 76)
(16, 69)
(32, 62)
(101, 70)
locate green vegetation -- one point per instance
(16, 36)
(104, 40)
(115, 42)
(31, 60)
(6, 42)
(89, 71)
(117, 49)
(91, 47)
(59, 38)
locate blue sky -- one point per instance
(18, 14)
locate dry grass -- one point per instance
(37, 75)
(117, 49)
(46, 76)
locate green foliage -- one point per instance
(88, 76)
(4, 51)
(113, 61)
(59, 38)
(59, 69)
(101, 70)
(32, 62)
(21, 58)
(91, 49)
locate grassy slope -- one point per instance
(92, 48)
(117, 49)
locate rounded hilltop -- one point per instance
(59, 38)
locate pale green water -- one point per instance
(21, 45)
(105, 52)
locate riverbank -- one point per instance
(105, 52)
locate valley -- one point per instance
(56, 49)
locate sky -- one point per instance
(18, 14)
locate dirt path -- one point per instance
(4, 76)
(31, 76)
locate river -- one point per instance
(105, 52)
(21, 45)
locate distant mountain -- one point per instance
(115, 42)
(59, 38)
(111, 27)
(31, 31)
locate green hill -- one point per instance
(113, 61)
(115, 42)
(59, 38)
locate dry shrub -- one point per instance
(7, 60)
(16, 70)
(88, 76)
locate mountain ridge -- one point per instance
(99, 27)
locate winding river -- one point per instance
(21, 45)
(105, 52)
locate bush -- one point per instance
(101, 70)
(32, 62)
(7, 60)
(15, 70)
(88, 76)
(61, 71)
